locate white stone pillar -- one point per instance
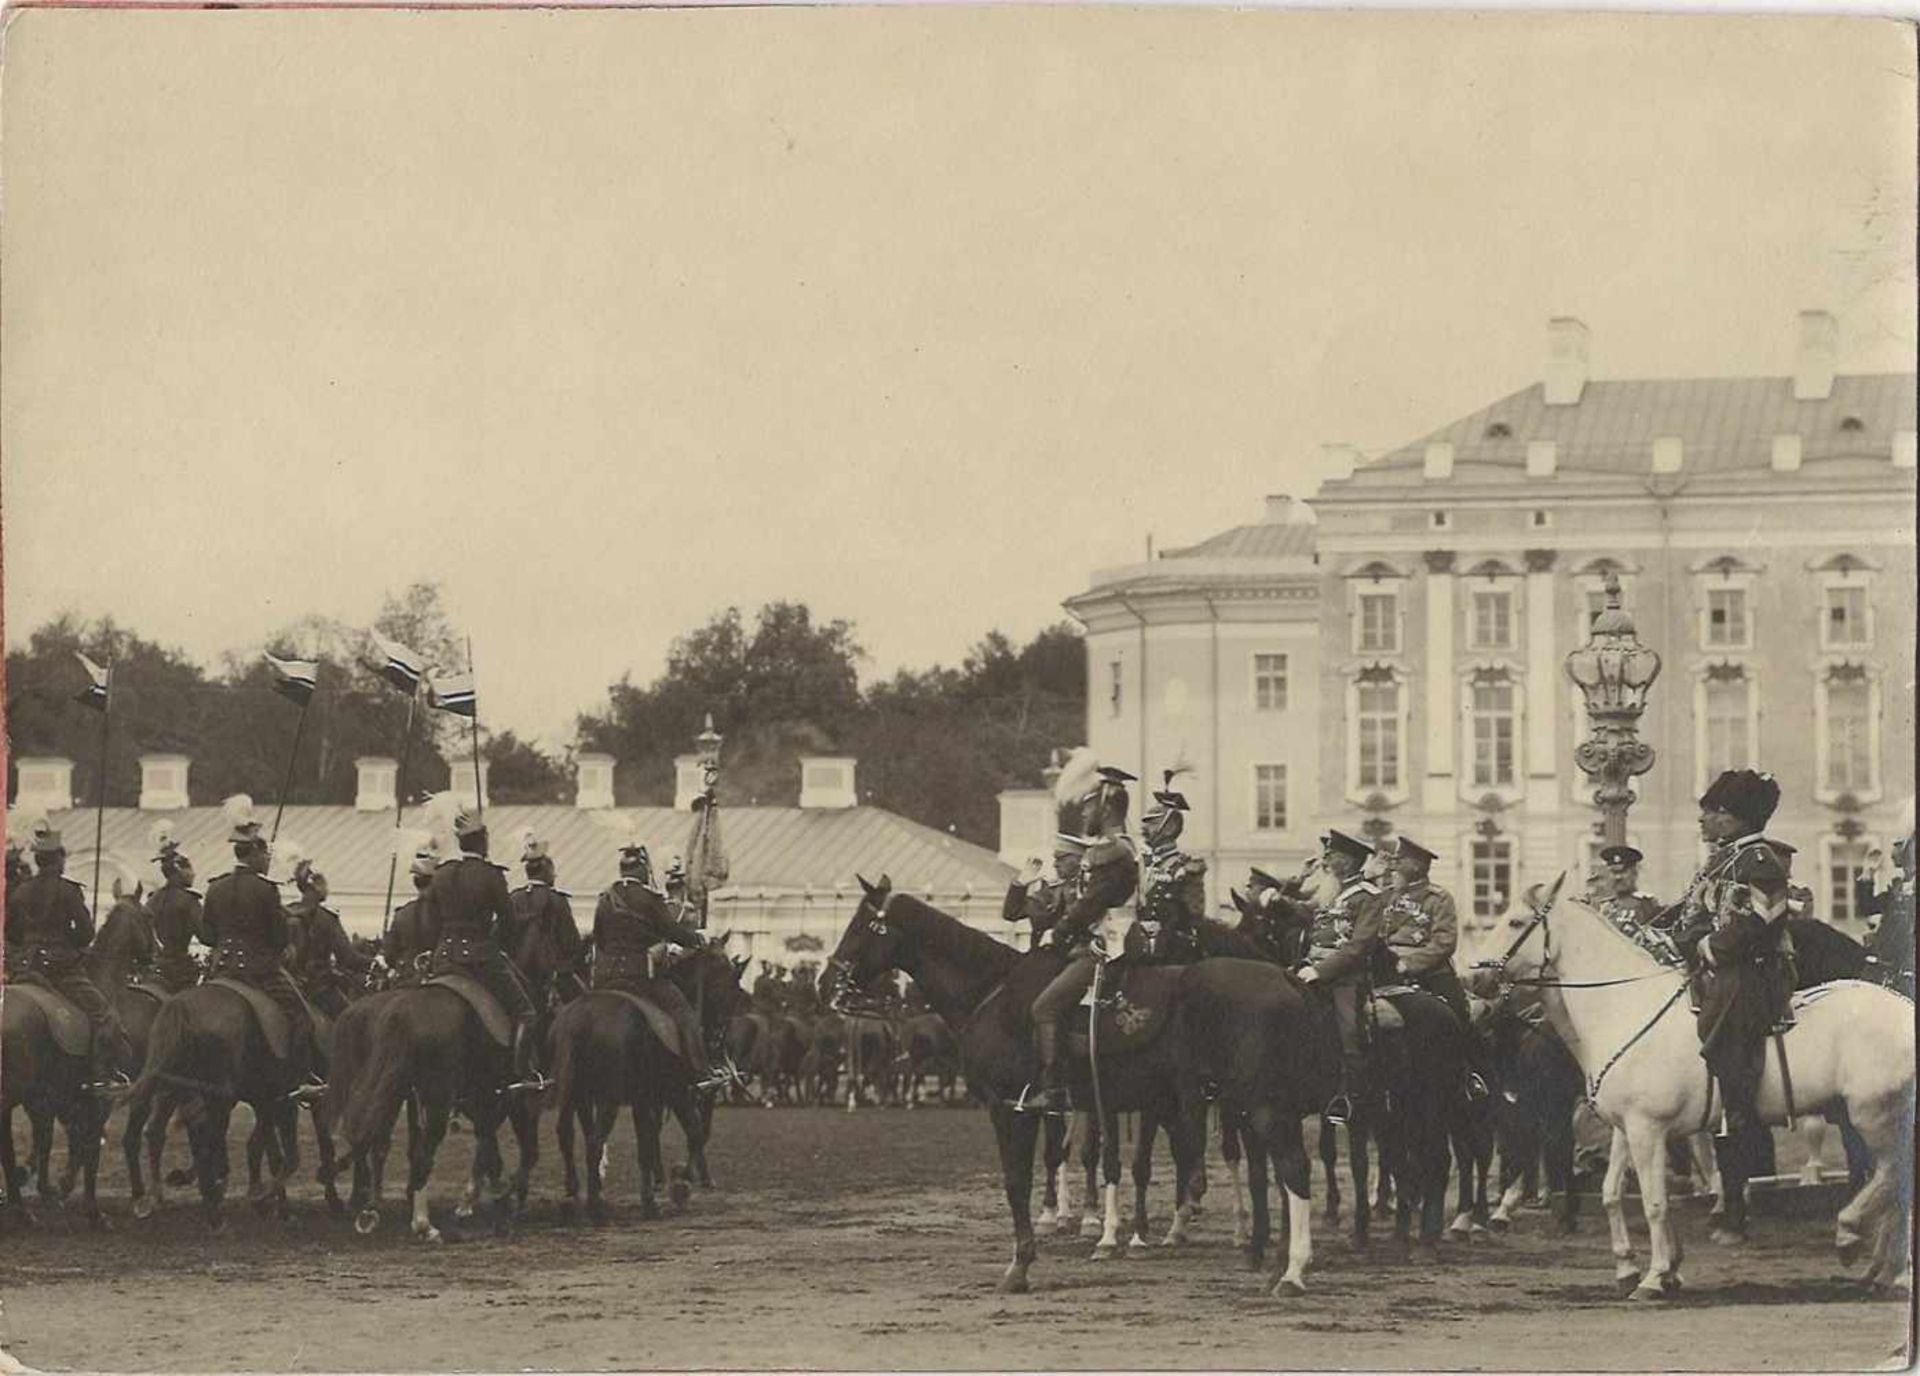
(1441, 727)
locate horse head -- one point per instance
(868, 949)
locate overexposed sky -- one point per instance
(607, 320)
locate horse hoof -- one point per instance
(464, 1209)
(679, 1192)
(1014, 1283)
(1067, 1226)
(1103, 1252)
(1499, 1224)
(1625, 1285)
(143, 1206)
(1479, 1232)
(366, 1222)
(1046, 1218)
(1647, 1292)
(1727, 1237)
(430, 1234)
(1138, 1246)
(1849, 1249)
(1673, 1283)
(1288, 1288)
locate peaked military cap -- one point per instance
(1261, 877)
(1171, 801)
(1621, 855)
(1743, 793)
(1406, 845)
(1342, 844)
(1114, 775)
(1064, 843)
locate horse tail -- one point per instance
(167, 1039)
(373, 1100)
(566, 1060)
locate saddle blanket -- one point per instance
(72, 1033)
(1133, 1015)
(486, 1007)
(663, 1026)
(270, 1015)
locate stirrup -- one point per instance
(1339, 1110)
(1051, 1102)
(115, 1083)
(308, 1092)
(1476, 1087)
(535, 1084)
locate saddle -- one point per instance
(493, 1017)
(274, 1026)
(149, 986)
(72, 1033)
(1133, 1009)
(663, 1026)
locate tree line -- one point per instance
(935, 745)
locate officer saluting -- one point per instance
(48, 932)
(468, 906)
(1035, 898)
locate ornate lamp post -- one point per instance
(706, 858)
(1613, 672)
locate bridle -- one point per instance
(844, 996)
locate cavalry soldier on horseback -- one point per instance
(1173, 885)
(247, 928)
(468, 908)
(1733, 932)
(174, 911)
(404, 941)
(1891, 944)
(1109, 875)
(630, 920)
(321, 952)
(48, 930)
(1634, 914)
(1422, 929)
(1036, 899)
(543, 914)
(123, 947)
(1341, 943)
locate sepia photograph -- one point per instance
(956, 687)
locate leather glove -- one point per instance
(1309, 976)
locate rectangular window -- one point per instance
(1849, 737)
(1492, 621)
(1729, 717)
(1492, 877)
(1727, 618)
(1846, 619)
(1492, 734)
(1379, 623)
(1270, 797)
(1270, 683)
(1113, 687)
(1845, 863)
(1379, 727)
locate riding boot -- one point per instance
(523, 1071)
(1052, 1096)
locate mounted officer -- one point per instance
(247, 928)
(1891, 942)
(1733, 932)
(123, 947)
(543, 925)
(1042, 901)
(632, 919)
(1109, 875)
(1342, 942)
(404, 941)
(174, 911)
(1173, 885)
(322, 954)
(48, 932)
(467, 908)
(1422, 930)
(1634, 914)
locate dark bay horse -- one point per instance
(45, 1081)
(985, 989)
(608, 1057)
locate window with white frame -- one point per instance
(1114, 682)
(1378, 724)
(1378, 617)
(1849, 732)
(1269, 683)
(1846, 862)
(1728, 624)
(1492, 713)
(1492, 876)
(1727, 720)
(1843, 622)
(1270, 797)
(1491, 623)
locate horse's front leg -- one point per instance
(1053, 1153)
(1016, 1134)
(1142, 1177)
(1110, 1188)
(434, 1115)
(1330, 1166)
(1626, 1272)
(1294, 1171)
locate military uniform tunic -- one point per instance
(123, 946)
(543, 938)
(175, 911)
(247, 928)
(1341, 942)
(322, 950)
(1422, 930)
(1636, 916)
(1041, 902)
(405, 940)
(463, 922)
(48, 929)
(628, 922)
(1173, 901)
(1732, 930)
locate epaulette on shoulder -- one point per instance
(564, 893)
(321, 907)
(75, 882)
(1367, 886)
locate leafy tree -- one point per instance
(520, 772)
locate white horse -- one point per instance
(1625, 1017)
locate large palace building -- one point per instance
(1391, 660)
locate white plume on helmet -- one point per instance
(1076, 775)
(439, 814)
(237, 812)
(288, 857)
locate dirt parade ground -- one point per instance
(875, 1240)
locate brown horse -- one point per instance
(48, 1083)
(608, 1057)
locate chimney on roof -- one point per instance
(163, 782)
(826, 781)
(460, 780)
(45, 783)
(1566, 375)
(1437, 464)
(375, 778)
(592, 780)
(1027, 825)
(1813, 365)
(1279, 509)
(689, 781)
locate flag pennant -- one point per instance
(94, 695)
(402, 667)
(294, 679)
(454, 693)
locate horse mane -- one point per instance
(953, 939)
(1626, 942)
